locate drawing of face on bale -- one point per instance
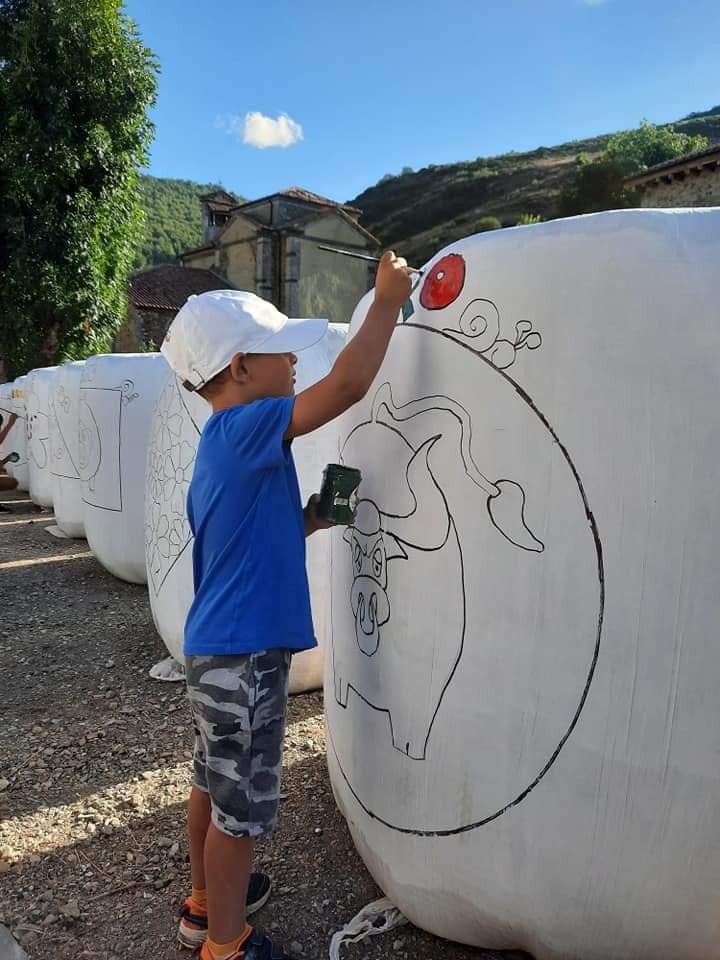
(387, 531)
(379, 536)
(404, 534)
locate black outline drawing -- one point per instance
(17, 428)
(37, 422)
(167, 531)
(17, 394)
(479, 324)
(379, 536)
(480, 321)
(90, 444)
(593, 529)
(60, 451)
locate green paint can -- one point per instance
(339, 485)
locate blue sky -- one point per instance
(359, 89)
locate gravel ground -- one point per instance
(94, 776)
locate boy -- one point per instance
(252, 607)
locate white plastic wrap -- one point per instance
(64, 449)
(176, 425)
(521, 701)
(118, 393)
(312, 453)
(19, 470)
(177, 422)
(37, 401)
(7, 408)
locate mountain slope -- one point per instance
(419, 212)
(173, 218)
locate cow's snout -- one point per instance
(372, 609)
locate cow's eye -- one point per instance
(358, 557)
(377, 559)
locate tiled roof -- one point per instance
(301, 194)
(167, 287)
(297, 193)
(220, 197)
(702, 159)
(222, 205)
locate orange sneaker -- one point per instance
(256, 947)
(193, 924)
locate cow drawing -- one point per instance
(37, 426)
(388, 551)
(403, 536)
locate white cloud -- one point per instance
(260, 131)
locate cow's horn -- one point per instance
(427, 526)
(384, 398)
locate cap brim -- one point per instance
(296, 335)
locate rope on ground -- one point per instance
(168, 669)
(374, 919)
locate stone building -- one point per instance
(689, 181)
(271, 246)
(154, 297)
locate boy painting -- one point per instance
(251, 610)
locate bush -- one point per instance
(636, 150)
(488, 223)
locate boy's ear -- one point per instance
(238, 368)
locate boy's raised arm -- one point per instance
(357, 365)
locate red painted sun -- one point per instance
(443, 283)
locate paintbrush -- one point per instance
(359, 256)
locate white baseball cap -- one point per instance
(210, 328)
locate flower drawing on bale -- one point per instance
(178, 471)
(171, 458)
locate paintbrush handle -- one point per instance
(358, 256)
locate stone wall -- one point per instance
(694, 190)
(154, 326)
(203, 260)
(329, 285)
(145, 328)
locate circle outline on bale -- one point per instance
(597, 542)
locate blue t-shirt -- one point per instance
(251, 587)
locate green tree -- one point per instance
(488, 223)
(597, 185)
(76, 83)
(173, 218)
(600, 184)
(634, 150)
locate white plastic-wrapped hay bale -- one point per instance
(118, 393)
(64, 448)
(6, 410)
(178, 420)
(521, 701)
(20, 469)
(37, 402)
(312, 453)
(176, 425)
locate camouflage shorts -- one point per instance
(239, 705)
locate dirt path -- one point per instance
(94, 775)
